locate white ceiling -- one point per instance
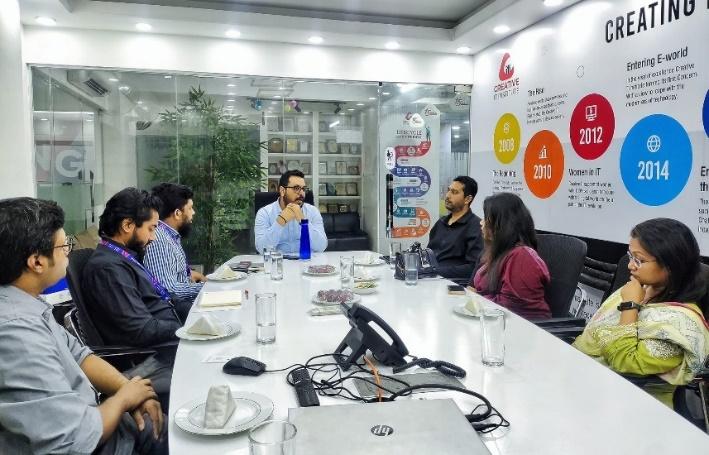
(417, 25)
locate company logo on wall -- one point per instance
(414, 120)
(509, 84)
(507, 69)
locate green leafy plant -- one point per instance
(218, 155)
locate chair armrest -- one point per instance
(561, 322)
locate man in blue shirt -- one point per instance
(164, 256)
(47, 378)
(278, 224)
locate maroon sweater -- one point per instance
(523, 278)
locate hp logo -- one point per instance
(382, 430)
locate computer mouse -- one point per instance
(244, 366)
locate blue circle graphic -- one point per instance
(705, 113)
(656, 160)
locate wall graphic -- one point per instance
(415, 140)
(598, 117)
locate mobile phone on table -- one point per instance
(456, 289)
(242, 266)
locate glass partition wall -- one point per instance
(98, 131)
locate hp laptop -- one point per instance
(407, 426)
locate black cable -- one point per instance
(446, 368)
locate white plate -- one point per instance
(366, 277)
(365, 262)
(462, 311)
(230, 330)
(334, 272)
(326, 303)
(365, 291)
(251, 409)
(239, 276)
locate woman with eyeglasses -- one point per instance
(655, 324)
(511, 273)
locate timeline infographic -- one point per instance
(595, 127)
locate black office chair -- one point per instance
(79, 322)
(564, 257)
(263, 198)
(622, 275)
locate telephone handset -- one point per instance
(363, 336)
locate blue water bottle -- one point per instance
(304, 239)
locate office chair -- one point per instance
(564, 257)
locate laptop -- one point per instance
(410, 426)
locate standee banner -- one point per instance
(412, 141)
(598, 117)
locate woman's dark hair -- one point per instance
(675, 248)
(510, 224)
(27, 226)
(129, 203)
(173, 197)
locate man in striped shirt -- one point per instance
(165, 257)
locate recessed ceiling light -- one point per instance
(112, 79)
(350, 109)
(372, 98)
(143, 27)
(463, 50)
(167, 76)
(456, 136)
(274, 102)
(467, 122)
(315, 39)
(392, 45)
(44, 119)
(342, 113)
(551, 3)
(500, 29)
(455, 127)
(44, 20)
(231, 33)
(231, 85)
(385, 93)
(140, 102)
(124, 88)
(305, 113)
(276, 96)
(229, 101)
(231, 93)
(360, 104)
(89, 120)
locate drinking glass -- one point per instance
(272, 437)
(266, 317)
(347, 272)
(394, 247)
(267, 259)
(411, 268)
(276, 266)
(493, 337)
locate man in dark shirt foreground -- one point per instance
(47, 379)
(456, 239)
(128, 305)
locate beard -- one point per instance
(185, 229)
(136, 245)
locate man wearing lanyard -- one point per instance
(165, 257)
(47, 378)
(128, 304)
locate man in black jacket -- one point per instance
(456, 238)
(128, 305)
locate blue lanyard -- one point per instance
(168, 231)
(159, 288)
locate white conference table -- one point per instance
(557, 400)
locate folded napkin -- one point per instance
(473, 305)
(205, 325)
(221, 298)
(225, 273)
(220, 406)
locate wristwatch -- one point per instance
(628, 306)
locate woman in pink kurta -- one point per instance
(511, 273)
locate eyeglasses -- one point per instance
(637, 262)
(298, 188)
(68, 246)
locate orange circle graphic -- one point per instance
(543, 164)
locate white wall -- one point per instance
(113, 49)
(16, 157)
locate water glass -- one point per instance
(266, 317)
(394, 247)
(267, 259)
(411, 268)
(492, 322)
(276, 266)
(347, 272)
(272, 437)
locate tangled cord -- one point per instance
(446, 368)
(328, 380)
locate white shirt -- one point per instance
(286, 238)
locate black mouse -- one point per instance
(245, 366)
